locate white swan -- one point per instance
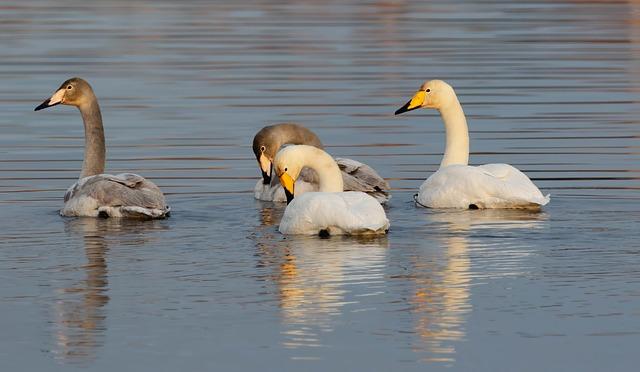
(331, 211)
(356, 176)
(456, 184)
(97, 194)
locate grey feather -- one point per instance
(132, 194)
(357, 176)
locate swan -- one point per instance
(356, 176)
(97, 194)
(457, 184)
(329, 211)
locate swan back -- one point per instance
(122, 195)
(485, 186)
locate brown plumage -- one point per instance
(97, 194)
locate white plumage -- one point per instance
(485, 186)
(457, 184)
(330, 211)
(336, 213)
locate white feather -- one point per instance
(340, 213)
(485, 186)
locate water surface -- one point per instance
(551, 87)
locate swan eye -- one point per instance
(428, 90)
(262, 148)
(69, 87)
(285, 169)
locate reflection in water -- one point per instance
(270, 213)
(491, 219)
(312, 275)
(441, 299)
(312, 281)
(549, 86)
(79, 309)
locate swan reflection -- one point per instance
(79, 310)
(441, 299)
(312, 277)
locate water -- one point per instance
(550, 87)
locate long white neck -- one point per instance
(457, 133)
(329, 175)
(94, 147)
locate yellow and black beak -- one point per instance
(265, 168)
(416, 102)
(56, 99)
(288, 184)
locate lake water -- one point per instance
(552, 87)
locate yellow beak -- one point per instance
(288, 184)
(416, 102)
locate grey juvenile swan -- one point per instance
(356, 176)
(97, 194)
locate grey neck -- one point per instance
(94, 147)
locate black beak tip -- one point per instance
(266, 179)
(44, 105)
(403, 109)
(288, 195)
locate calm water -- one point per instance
(552, 87)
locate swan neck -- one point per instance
(295, 136)
(94, 146)
(457, 135)
(329, 175)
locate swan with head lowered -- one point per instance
(356, 176)
(457, 184)
(97, 194)
(329, 211)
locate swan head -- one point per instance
(74, 92)
(288, 164)
(434, 94)
(269, 139)
(264, 148)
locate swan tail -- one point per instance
(141, 212)
(546, 199)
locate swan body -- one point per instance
(484, 186)
(334, 213)
(330, 211)
(122, 195)
(457, 184)
(97, 194)
(356, 176)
